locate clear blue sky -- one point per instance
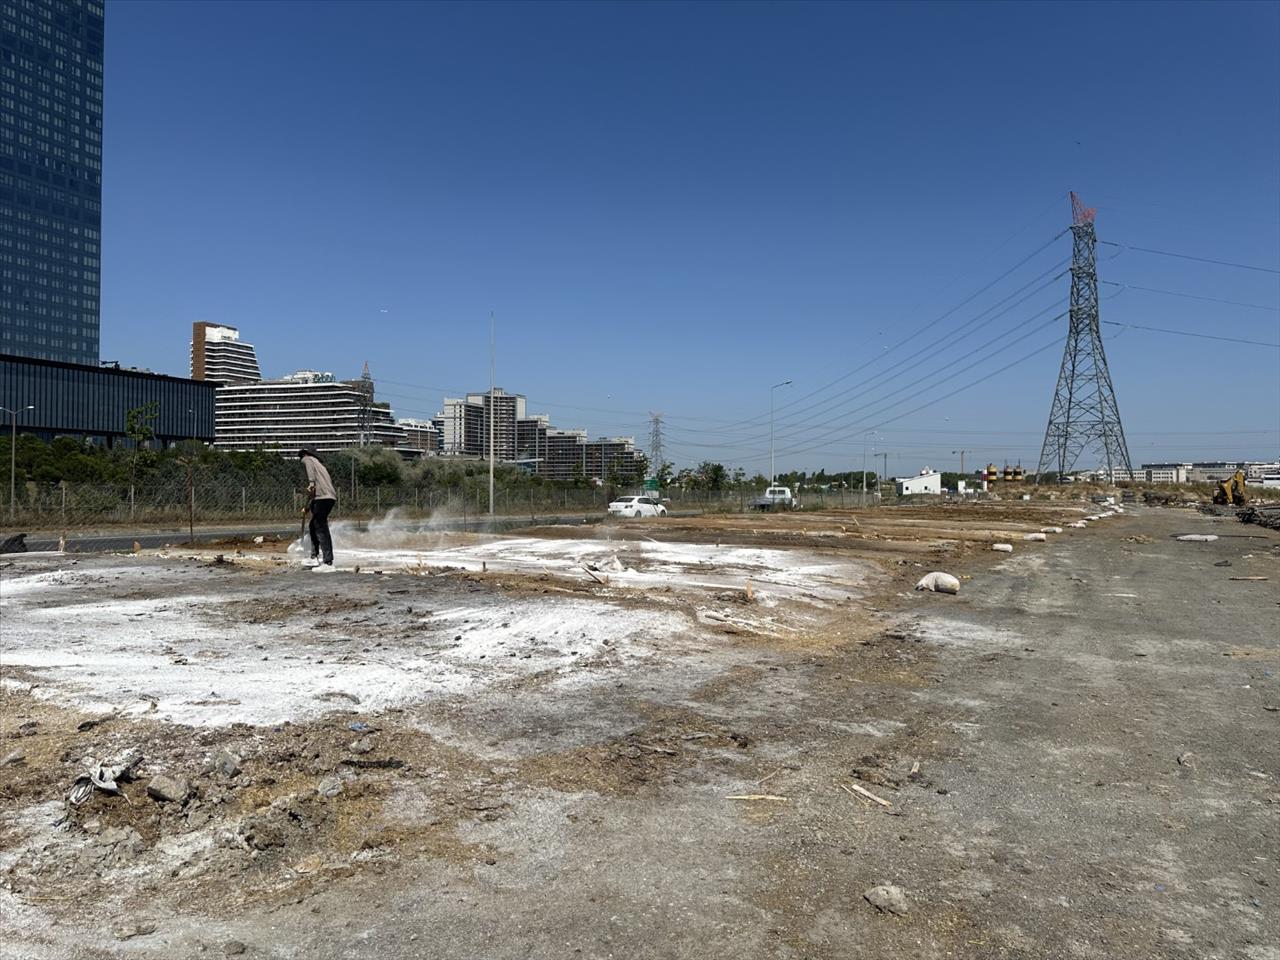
(672, 207)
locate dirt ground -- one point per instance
(690, 738)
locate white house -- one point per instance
(928, 481)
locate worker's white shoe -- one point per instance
(311, 562)
(323, 568)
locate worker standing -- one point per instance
(320, 500)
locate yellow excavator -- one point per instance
(1231, 491)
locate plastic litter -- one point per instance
(1037, 537)
(939, 582)
(104, 777)
(1198, 537)
(1002, 547)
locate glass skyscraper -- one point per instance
(50, 178)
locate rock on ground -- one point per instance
(887, 899)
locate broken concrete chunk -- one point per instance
(129, 929)
(226, 763)
(939, 582)
(887, 898)
(14, 756)
(329, 787)
(363, 745)
(233, 948)
(168, 789)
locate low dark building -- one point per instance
(79, 400)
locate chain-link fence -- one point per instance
(69, 507)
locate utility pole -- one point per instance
(492, 413)
(962, 453)
(1084, 413)
(885, 474)
(13, 456)
(784, 383)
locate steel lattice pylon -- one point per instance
(1084, 414)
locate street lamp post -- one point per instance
(784, 383)
(13, 456)
(865, 435)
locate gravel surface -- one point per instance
(1074, 757)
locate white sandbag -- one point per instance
(939, 582)
(1040, 537)
(1050, 529)
(1002, 547)
(1078, 525)
(1198, 537)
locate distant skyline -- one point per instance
(672, 207)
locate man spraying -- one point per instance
(320, 500)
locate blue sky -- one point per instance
(671, 207)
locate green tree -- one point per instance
(714, 475)
(138, 427)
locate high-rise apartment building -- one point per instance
(467, 422)
(306, 409)
(218, 354)
(50, 178)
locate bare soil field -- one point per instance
(722, 736)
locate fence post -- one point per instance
(377, 498)
(416, 491)
(64, 511)
(244, 507)
(131, 501)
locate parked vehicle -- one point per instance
(637, 507)
(775, 498)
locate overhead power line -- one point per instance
(984, 379)
(1188, 333)
(943, 346)
(1187, 256)
(764, 417)
(1189, 296)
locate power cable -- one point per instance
(1190, 296)
(866, 387)
(762, 418)
(986, 378)
(919, 356)
(1188, 333)
(1187, 256)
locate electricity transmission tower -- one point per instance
(364, 415)
(655, 443)
(1084, 414)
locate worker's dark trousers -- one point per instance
(321, 542)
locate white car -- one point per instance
(637, 507)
